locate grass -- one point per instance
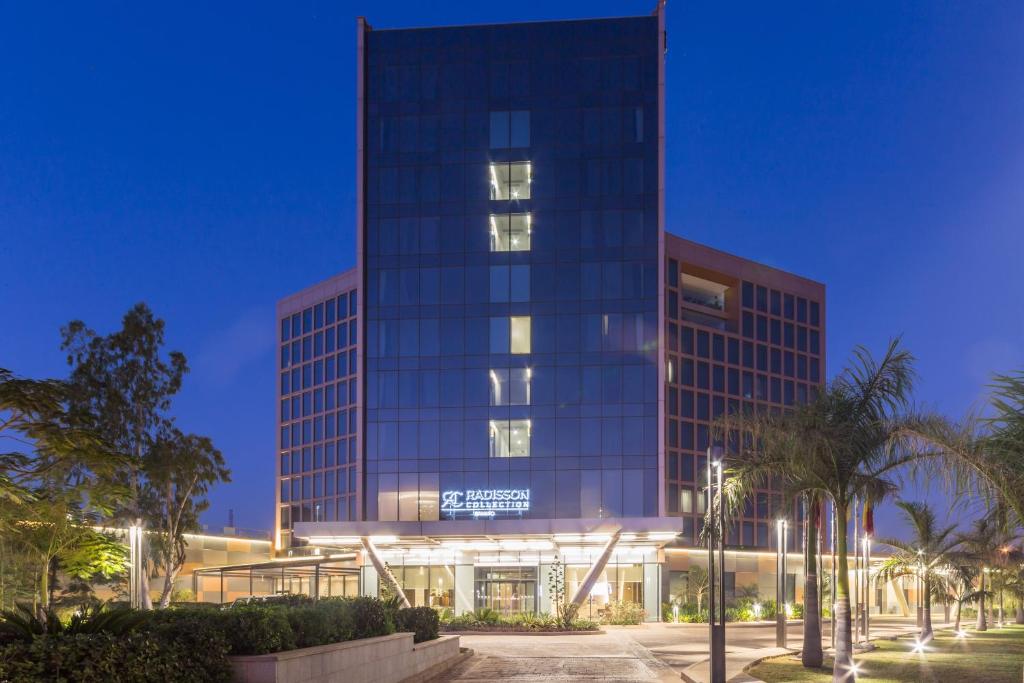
(994, 656)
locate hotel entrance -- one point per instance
(508, 590)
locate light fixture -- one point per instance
(918, 647)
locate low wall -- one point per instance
(387, 659)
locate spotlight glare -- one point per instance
(961, 634)
(918, 646)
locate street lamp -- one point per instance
(920, 588)
(716, 617)
(867, 588)
(135, 560)
(780, 585)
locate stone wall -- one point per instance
(387, 659)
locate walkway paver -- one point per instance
(610, 657)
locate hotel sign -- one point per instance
(485, 502)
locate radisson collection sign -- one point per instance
(485, 502)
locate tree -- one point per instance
(982, 546)
(845, 443)
(930, 553)
(53, 489)
(698, 584)
(565, 608)
(180, 468)
(122, 386)
(962, 578)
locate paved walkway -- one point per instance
(652, 652)
(611, 656)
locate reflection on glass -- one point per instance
(510, 438)
(510, 232)
(510, 181)
(510, 387)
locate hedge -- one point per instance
(193, 645)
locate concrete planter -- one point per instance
(387, 659)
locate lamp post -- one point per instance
(716, 518)
(867, 588)
(921, 583)
(135, 561)
(832, 590)
(780, 585)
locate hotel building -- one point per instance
(523, 365)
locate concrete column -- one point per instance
(464, 586)
(652, 591)
(595, 571)
(368, 581)
(382, 570)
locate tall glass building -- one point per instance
(521, 366)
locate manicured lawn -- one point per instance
(994, 656)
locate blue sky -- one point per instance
(200, 157)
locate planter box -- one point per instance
(387, 659)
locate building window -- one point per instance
(510, 387)
(519, 334)
(510, 181)
(510, 232)
(510, 129)
(510, 438)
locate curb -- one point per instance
(523, 633)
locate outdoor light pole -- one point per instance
(920, 585)
(780, 585)
(867, 589)
(716, 518)
(832, 590)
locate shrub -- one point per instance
(369, 617)
(313, 625)
(200, 635)
(624, 613)
(422, 621)
(257, 630)
(137, 657)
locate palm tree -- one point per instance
(962, 577)
(929, 552)
(845, 443)
(983, 547)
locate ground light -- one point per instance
(961, 634)
(918, 647)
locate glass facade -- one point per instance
(733, 345)
(510, 253)
(318, 418)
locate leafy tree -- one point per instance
(962, 577)
(930, 553)
(57, 484)
(122, 385)
(180, 469)
(845, 443)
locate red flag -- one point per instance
(869, 520)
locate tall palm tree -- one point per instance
(983, 546)
(844, 444)
(930, 551)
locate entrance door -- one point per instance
(508, 590)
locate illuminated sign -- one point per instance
(485, 502)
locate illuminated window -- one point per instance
(510, 387)
(519, 334)
(510, 232)
(510, 181)
(510, 438)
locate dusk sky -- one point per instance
(200, 157)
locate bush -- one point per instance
(137, 657)
(200, 635)
(486, 619)
(369, 617)
(624, 613)
(422, 621)
(257, 630)
(313, 625)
